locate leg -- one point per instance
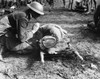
(13, 44)
(71, 4)
(42, 56)
(89, 6)
(64, 3)
(22, 48)
(95, 4)
(3, 48)
(76, 52)
(52, 4)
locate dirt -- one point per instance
(84, 41)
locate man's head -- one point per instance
(36, 9)
(47, 42)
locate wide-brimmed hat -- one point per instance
(37, 7)
(48, 42)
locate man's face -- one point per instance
(35, 15)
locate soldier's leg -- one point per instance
(13, 44)
(71, 4)
(64, 3)
(89, 6)
(2, 46)
(98, 25)
(95, 4)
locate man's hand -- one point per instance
(34, 30)
(42, 57)
(29, 35)
(52, 51)
(36, 27)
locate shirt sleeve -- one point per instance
(21, 25)
(22, 29)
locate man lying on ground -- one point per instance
(46, 41)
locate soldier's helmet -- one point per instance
(48, 42)
(37, 7)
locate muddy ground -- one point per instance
(86, 42)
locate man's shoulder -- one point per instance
(19, 14)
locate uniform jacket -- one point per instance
(19, 23)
